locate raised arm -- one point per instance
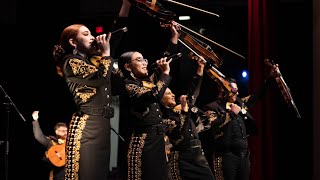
(38, 134)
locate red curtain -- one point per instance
(260, 44)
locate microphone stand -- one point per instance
(8, 105)
(117, 134)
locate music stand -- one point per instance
(8, 105)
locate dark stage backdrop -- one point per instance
(28, 74)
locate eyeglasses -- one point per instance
(141, 60)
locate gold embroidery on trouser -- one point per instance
(217, 168)
(134, 156)
(76, 126)
(174, 166)
(51, 175)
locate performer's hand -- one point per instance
(235, 108)
(103, 42)
(164, 65)
(184, 104)
(35, 115)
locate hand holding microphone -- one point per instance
(154, 66)
(106, 37)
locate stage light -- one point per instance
(184, 18)
(244, 74)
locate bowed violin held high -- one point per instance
(214, 73)
(157, 11)
(204, 50)
(285, 91)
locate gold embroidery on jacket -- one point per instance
(85, 92)
(227, 120)
(177, 109)
(106, 63)
(147, 84)
(160, 85)
(136, 90)
(152, 77)
(182, 120)
(95, 60)
(80, 67)
(212, 116)
(118, 72)
(170, 124)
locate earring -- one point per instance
(131, 74)
(74, 51)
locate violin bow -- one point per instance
(211, 41)
(193, 7)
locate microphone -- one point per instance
(124, 29)
(154, 66)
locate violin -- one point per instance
(205, 52)
(157, 11)
(214, 61)
(154, 9)
(218, 77)
(285, 90)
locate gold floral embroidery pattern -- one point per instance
(134, 156)
(182, 120)
(106, 63)
(85, 93)
(217, 165)
(118, 72)
(174, 166)
(152, 77)
(170, 124)
(160, 85)
(79, 67)
(212, 116)
(177, 109)
(136, 90)
(227, 119)
(147, 84)
(73, 145)
(96, 60)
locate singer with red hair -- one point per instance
(85, 62)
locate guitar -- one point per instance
(57, 155)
